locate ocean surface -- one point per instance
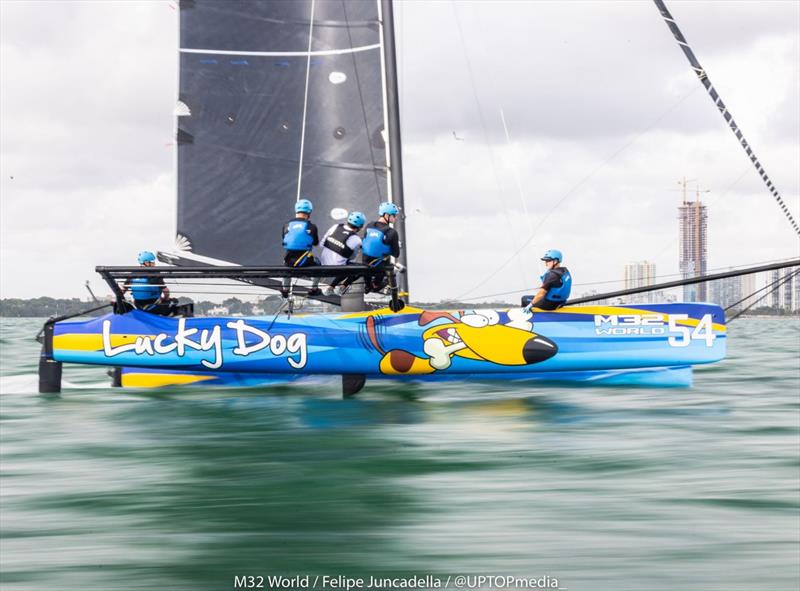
(595, 488)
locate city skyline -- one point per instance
(640, 274)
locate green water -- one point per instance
(600, 488)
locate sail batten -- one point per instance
(282, 53)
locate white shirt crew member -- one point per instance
(329, 257)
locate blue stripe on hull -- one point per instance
(416, 343)
(656, 377)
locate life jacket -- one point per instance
(298, 236)
(559, 294)
(374, 244)
(142, 289)
(337, 241)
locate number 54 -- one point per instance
(703, 331)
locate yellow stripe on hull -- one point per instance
(158, 380)
(609, 310)
(379, 312)
(583, 310)
(92, 342)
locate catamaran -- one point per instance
(283, 100)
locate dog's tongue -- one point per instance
(428, 317)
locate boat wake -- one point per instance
(28, 383)
(19, 384)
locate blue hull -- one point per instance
(593, 343)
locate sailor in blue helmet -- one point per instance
(556, 283)
(381, 241)
(150, 293)
(300, 236)
(340, 245)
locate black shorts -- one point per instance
(292, 258)
(155, 307)
(549, 305)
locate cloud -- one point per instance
(86, 92)
(578, 69)
(603, 112)
(58, 237)
(601, 212)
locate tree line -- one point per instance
(45, 307)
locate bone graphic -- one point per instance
(519, 318)
(439, 353)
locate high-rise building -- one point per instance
(785, 286)
(774, 279)
(748, 289)
(640, 274)
(693, 220)
(796, 302)
(727, 292)
(735, 292)
(790, 289)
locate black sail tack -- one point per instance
(246, 79)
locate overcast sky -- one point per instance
(603, 112)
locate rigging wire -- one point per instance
(305, 101)
(699, 279)
(516, 291)
(574, 188)
(767, 286)
(498, 189)
(517, 180)
(783, 281)
(702, 75)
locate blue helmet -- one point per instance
(356, 219)
(146, 257)
(553, 254)
(388, 208)
(303, 206)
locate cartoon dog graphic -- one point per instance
(474, 335)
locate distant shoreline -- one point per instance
(45, 307)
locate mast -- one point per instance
(393, 119)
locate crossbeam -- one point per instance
(263, 276)
(240, 272)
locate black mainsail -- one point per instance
(280, 100)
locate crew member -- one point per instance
(340, 245)
(300, 235)
(380, 242)
(556, 283)
(149, 292)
